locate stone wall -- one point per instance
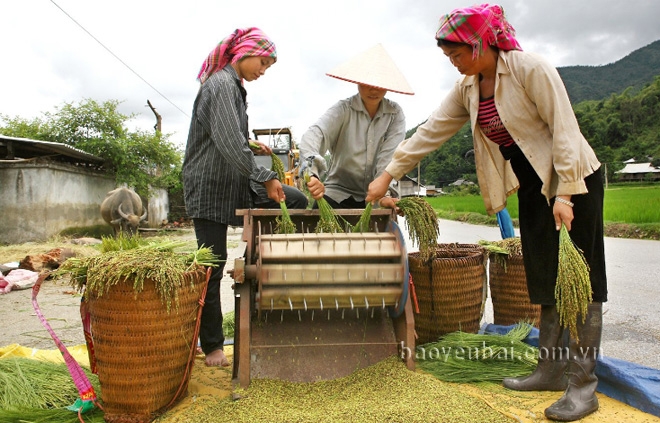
(38, 199)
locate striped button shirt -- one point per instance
(219, 166)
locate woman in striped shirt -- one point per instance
(219, 166)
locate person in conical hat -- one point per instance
(360, 132)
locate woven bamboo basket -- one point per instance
(449, 291)
(508, 291)
(459, 246)
(143, 352)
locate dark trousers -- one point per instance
(540, 238)
(349, 203)
(214, 236)
(295, 199)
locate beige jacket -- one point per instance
(534, 107)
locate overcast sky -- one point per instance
(48, 58)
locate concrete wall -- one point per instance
(159, 207)
(39, 199)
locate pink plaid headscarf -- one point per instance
(242, 42)
(479, 26)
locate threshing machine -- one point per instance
(317, 306)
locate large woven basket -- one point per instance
(508, 291)
(143, 352)
(461, 246)
(449, 291)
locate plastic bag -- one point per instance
(18, 279)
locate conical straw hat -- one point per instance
(373, 67)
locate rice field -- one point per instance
(632, 204)
(623, 204)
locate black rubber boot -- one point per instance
(580, 399)
(553, 358)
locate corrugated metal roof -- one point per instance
(639, 168)
(26, 148)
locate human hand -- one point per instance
(274, 190)
(259, 148)
(314, 165)
(378, 187)
(390, 203)
(316, 188)
(563, 212)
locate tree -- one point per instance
(22, 128)
(136, 158)
(450, 162)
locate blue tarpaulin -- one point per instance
(633, 384)
(630, 383)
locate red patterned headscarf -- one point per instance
(479, 26)
(241, 43)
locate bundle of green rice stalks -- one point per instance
(573, 288)
(283, 222)
(278, 167)
(229, 324)
(130, 242)
(156, 261)
(468, 357)
(505, 246)
(48, 415)
(362, 225)
(122, 241)
(278, 164)
(422, 224)
(328, 220)
(39, 391)
(500, 250)
(30, 383)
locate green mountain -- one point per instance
(598, 82)
(617, 106)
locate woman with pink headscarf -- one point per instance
(526, 140)
(220, 174)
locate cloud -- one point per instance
(48, 59)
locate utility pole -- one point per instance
(159, 118)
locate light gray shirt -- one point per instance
(360, 147)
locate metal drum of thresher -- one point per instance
(322, 305)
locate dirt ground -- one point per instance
(60, 302)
